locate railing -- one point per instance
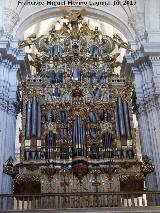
(78, 200)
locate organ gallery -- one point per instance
(77, 115)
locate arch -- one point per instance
(119, 23)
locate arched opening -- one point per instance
(108, 16)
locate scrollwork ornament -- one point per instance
(147, 166)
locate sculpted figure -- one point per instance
(96, 33)
(119, 41)
(85, 30)
(28, 42)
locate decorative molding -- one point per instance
(10, 19)
(11, 107)
(154, 58)
(137, 21)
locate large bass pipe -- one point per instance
(34, 117)
(84, 138)
(38, 120)
(28, 119)
(127, 120)
(121, 121)
(121, 116)
(117, 121)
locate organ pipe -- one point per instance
(107, 143)
(117, 121)
(28, 119)
(50, 145)
(127, 120)
(34, 116)
(78, 134)
(39, 121)
(121, 116)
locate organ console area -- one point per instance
(77, 125)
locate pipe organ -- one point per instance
(77, 114)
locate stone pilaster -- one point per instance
(11, 62)
(145, 73)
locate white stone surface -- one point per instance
(8, 109)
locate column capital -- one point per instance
(133, 60)
(9, 106)
(13, 108)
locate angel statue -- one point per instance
(36, 62)
(29, 41)
(119, 41)
(73, 15)
(85, 30)
(96, 33)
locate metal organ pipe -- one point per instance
(74, 138)
(34, 117)
(117, 121)
(110, 141)
(28, 119)
(50, 145)
(79, 132)
(107, 143)
(127, 120)
(46, 146)
(121, 116)
(78, 138)
(39, 121)
(83, 137)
